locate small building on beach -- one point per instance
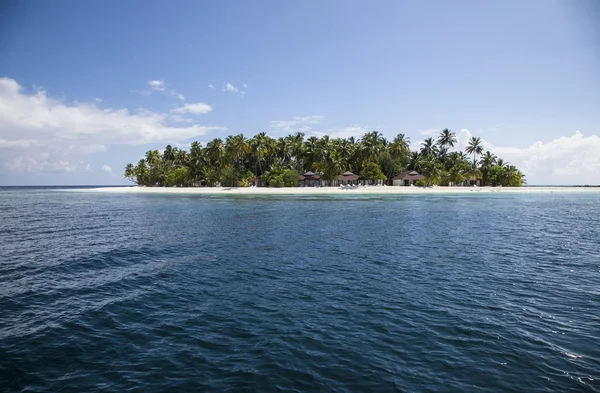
(310, 179)
(473, 182)
(407, 178)
(347, 178)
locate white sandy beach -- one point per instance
(364, 190)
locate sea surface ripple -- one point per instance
(154, 293)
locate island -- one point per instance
(293, 161)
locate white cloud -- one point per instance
(17, 143)
(42, 133)
(180, 96)
(157, 85)
(565, 160)
(245, 86)
(211, 87)
(196, 109)
(462, 141)
(106, 168)
(298, 123)
(230, 88)
(180, 119)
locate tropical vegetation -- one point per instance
(241, 161)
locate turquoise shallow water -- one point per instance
(156, 293)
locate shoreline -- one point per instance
(365, 190)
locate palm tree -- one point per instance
(216, 153)
(442, 153)
(311, 148)
(181, 158)
(152, 157)
(372, 145)
(474, 147)
(335, 164)
(457, 169)
(236, 148)
(169, 153)
(196, 161)
(487, 161)
(429, 148)
(271, 150)
(433, 170)
(415, 161)
(446, 139)
(130, 172)
(259, 148)
(473, 171)
(400, 146)
(514, 177)
(141, 174)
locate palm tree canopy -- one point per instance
(446, 139)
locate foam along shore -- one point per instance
(363, 190)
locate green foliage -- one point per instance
(372, 171)
(236, 177)
(276, 181)
(433, 170)
(290, 178)
(391, 166)
(278, 176)
(178, 177)
(420, 183)
(229, 177)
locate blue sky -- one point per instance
(88, 86)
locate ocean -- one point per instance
(478, 292)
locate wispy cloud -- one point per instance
(298, 123)
(211, 86)
(196, 109)
(228, 87)
(157, 85)
(106, 168)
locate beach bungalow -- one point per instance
(407, 178)
(347, 178)
(310, 179)
(473, 182)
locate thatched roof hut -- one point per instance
(310, 176)
(347, 176)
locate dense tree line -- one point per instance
(279, 162)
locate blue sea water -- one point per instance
(151, 293)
